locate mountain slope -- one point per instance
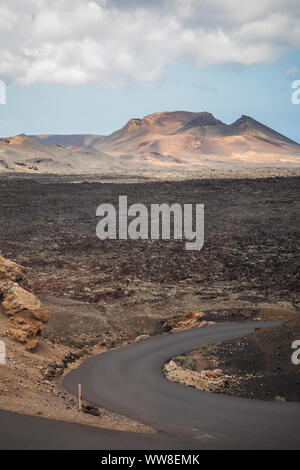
(66, 140)
(189, 139)
(25, 154)
(166, 140)
(246, 125)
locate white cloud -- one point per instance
(114, 42)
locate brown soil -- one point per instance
(104, 294)
(256, 366)
(28, 385)
(129, 288)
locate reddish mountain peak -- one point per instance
(134, 124)
(169, 115)
(21, 139)
(183, 117)
(244, 119)
(205, 119)
(247, 125)
(171, 122)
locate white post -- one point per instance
(79, 398)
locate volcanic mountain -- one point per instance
(177, 139)
(186, 138)
(25, 154)
(67, 140)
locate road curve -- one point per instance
(130, 381)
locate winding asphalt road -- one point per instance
(130, 381)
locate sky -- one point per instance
(81, 66)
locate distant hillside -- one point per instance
(67, 140)
(167, 140)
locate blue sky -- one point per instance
(52, 92)
(261, 91)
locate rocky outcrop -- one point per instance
(26, 314)
(187, 321)
(141, 338)
(10, 271)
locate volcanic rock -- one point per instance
(26, 314)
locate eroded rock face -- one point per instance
(187, 321)
(26, 314)
(10, 270)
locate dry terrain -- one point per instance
(256, 366)
(31, 383)
(167, 141)
(103, 294)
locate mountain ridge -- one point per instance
(168, 139)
